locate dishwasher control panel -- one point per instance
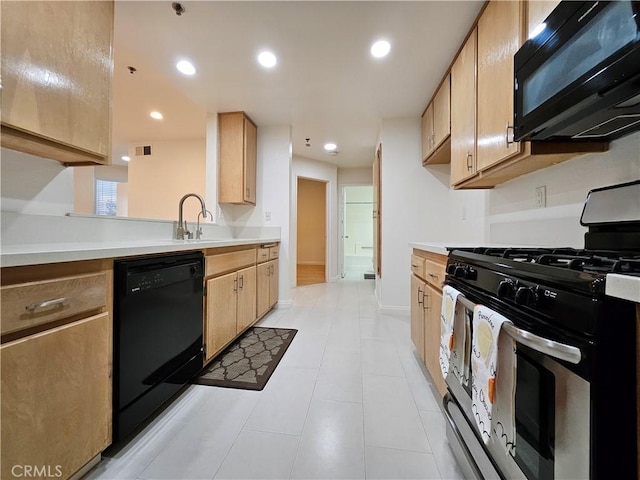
(141, 281)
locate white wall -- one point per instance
(513, 217)
(272, 196)
(356, 176)
(34, 185)
(413, 208)
(326, 172)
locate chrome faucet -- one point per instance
(182, 230)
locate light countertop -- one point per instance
(18, 255)
(626, 287)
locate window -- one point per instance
(106, 197)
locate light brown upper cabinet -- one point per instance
(501, 30)
(463, 112)
(436, 126)
(537, 11)
(57, 65)
(238, 137)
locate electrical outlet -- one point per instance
(267, 216)
(541, 196)
(220, 214)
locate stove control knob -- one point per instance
(527, 296)
(506, 289)
(471, 274)
(451, 268)
(460, 272)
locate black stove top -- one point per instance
(579, 260)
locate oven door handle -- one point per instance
(554, 349)
(543, 345)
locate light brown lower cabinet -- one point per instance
(267, 291)
(433, 306)
(231, 307)
(246, 298)
(56, 398)
(222, 307)
(417, 314)
(428, 273)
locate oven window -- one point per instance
(535, 418)
(609, 31)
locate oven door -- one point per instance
(552, 412)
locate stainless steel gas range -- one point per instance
(574, 406)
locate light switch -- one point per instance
(267, 216)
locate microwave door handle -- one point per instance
(543, 345)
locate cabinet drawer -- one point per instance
(227, 262)
(29, 304)
(263, 255)
(435, 273)
(417, 265)
(273, 253)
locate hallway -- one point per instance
(348, 400)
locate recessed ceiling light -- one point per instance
(267, 59)
(380, 49)
(156, 115)
(126, 158)
(186, 67)
(330, 146)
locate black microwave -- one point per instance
(578, 75)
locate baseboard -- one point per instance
(284, 304)
(394, 310)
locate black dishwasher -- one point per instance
(157, 334)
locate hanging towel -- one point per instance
(449, 312)
(493, 363)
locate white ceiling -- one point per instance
(326, 85)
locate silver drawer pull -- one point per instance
(49, 303)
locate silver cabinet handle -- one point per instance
(49, 303)
(543, 345)
(248, 192)
(506, 137)
(241, 281)
(469, 163)
(420, 292)
(235, 285)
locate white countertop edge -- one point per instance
(623, 286)
(433, 247)
(20, 255)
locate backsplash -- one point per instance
(512, 215)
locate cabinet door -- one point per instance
(537, 11)
(463, 112)
(433, 305)
(222, 297)
(427, 132)
(442, 113)
(417, 315)
(499, 37)
(56, 79)
(246, 298)
(250, 160)
(273, 284)
(263, 273)
(56, 397)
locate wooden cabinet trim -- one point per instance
(434, 273)
(263, 255)
(227, 262)
(51, 300)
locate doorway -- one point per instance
(311, 232)
(357, 232)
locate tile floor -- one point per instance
(348, 400)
